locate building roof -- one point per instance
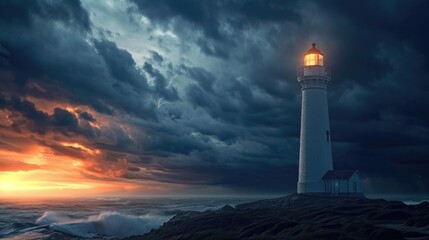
(314, 50)
(338, 174)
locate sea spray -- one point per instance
(18, 220)
(102, 224)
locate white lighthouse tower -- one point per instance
(315, 156)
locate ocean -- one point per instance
(95, 218)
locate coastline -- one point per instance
(301, 217)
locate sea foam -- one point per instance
(102, 224)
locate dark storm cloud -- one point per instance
(54, 61)
(121, 65)
(379, 77)
(400, 21)
(157, 57)
(205, 79)
(377, 52)
(21, 13)
(233, 121)
(63, 117)
(161, 83)
(202, 173)
(104, 77)
(87, 116)
(36, 119)
(210, 18)
(26, 117)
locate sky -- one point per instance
(190, 97)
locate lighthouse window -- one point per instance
(313, 59)
(327, 135)
(310, 59)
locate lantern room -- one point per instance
(313, 57)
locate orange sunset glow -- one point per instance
(40, 172)
(64, 164)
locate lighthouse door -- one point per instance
(336, 188)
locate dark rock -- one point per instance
(227, 208)
(298, 217)
(392, 215)
(414, 235)
(423, 205)
(386, 233)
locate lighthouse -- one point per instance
(315, 156)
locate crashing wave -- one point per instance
(102, 224)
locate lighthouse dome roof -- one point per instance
(314, 50)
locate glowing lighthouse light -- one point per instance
(315, 157)
(313, 57)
